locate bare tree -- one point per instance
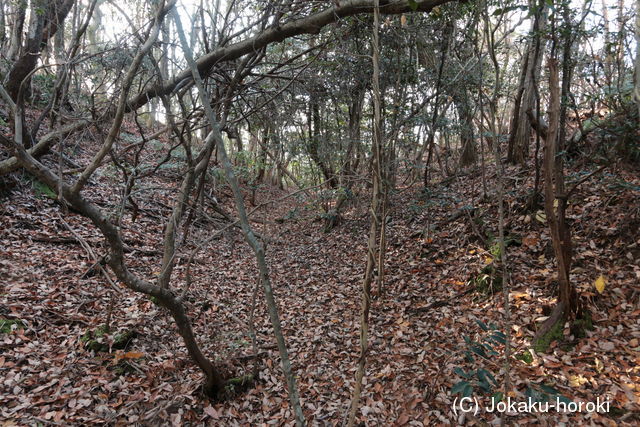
(256, 246)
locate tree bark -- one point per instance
(309, 25)
(42, 26)
(315, 137)
(469, 153)
(555, 205)
(637, 80)
(520, 133)
(19, 11)
(345, 179)
(375, 217)
(430, 142)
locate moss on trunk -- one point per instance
(541, 344)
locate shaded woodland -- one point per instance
(314, 212)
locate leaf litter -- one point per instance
(47, 375)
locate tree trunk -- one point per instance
(430, 142)
(520, 133)
(555, 205)
(315, 137)
(346, 176)
(376, 202)
(355, 119)
(3, 26)
(469, 153)
(42, 26)
(637, 80)
(256, 246)
(262, 154)
(19, 12)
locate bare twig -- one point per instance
(98, 261)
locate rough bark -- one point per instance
(430, 142)
(555, 206)
(355, 120)
(19, 11)
(42, 26)
(346, 175)
(315, 137)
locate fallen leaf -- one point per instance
(211, 411)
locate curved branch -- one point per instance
(309, 25)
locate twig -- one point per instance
(575, 186)
(441, 303)
(475, 229)
(91, 254)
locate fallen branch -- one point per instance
(75, 241)
(584, 179)
(55, 239)
(441, 303)
(11, 164)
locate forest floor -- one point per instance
(429, 315)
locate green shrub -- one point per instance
(9, 325)
(480, 353)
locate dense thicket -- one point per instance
(334, 101)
